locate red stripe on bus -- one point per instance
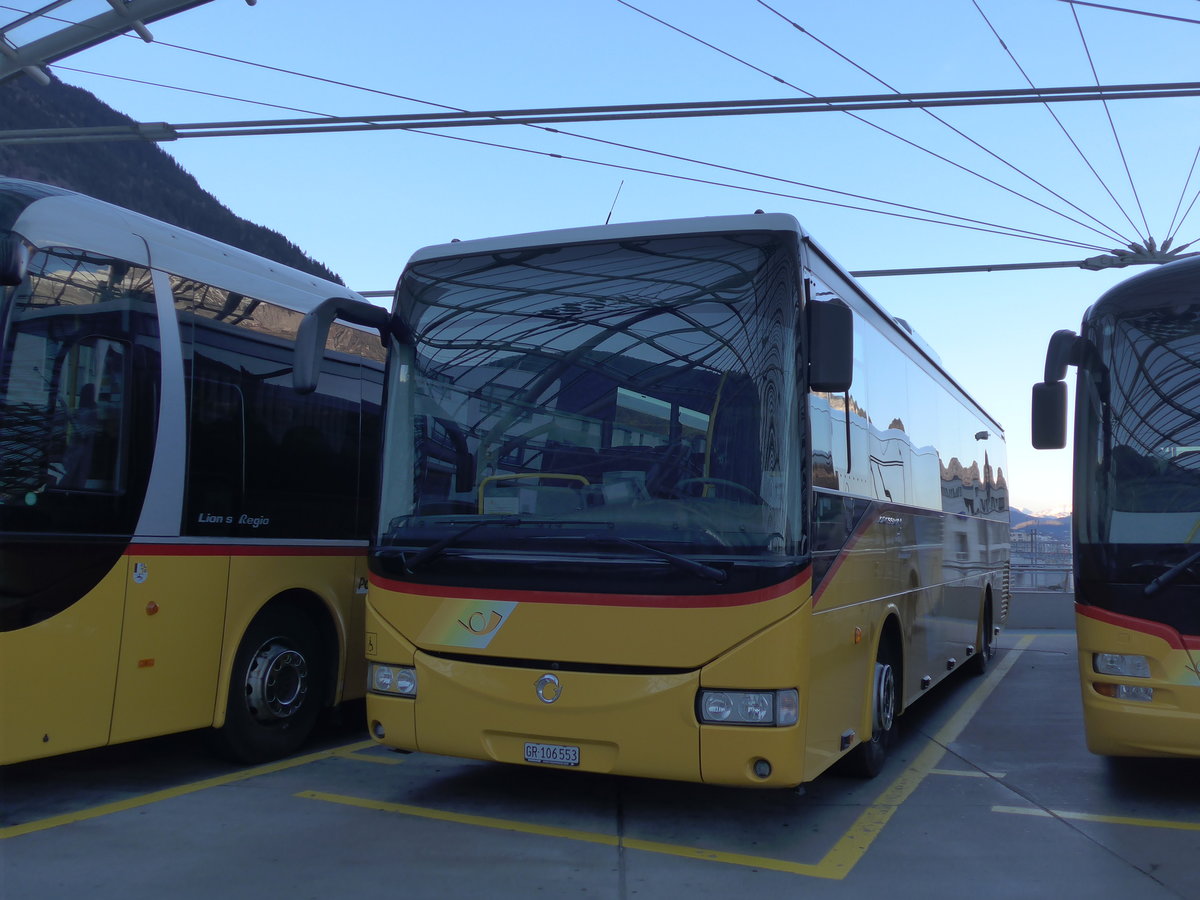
(239, 550)
(869, 519)
(580, 598)
(1166, 633)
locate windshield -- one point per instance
(629, 403)
(1139, 489)
(75, 332)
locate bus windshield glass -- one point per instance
(629, 402)
(1141, 407)
(74, 331)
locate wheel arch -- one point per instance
(330, 629)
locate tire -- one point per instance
(977, 665)
(867, 759)
(275, 689)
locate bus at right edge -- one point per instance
(1136, 520)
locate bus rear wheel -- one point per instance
(867, 759)
(977, 665)
(274, 689)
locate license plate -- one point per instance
(552, 754)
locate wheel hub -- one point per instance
(885, 697)
(276, 682)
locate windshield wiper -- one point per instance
(691, 566)
(1170, 575)
(436, 549)
(439, 547)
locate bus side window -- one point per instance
(81, 440)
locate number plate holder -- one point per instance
(551, 754)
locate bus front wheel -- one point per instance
(867, 759)
(274, 689)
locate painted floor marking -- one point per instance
(353, 752)
(106, 809)
(591, 837)
(1091, 817)
(836, 864)
(853, 845)
(968, 773)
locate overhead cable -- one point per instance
(1113, 125)
(1058, 121)
(1012, 230)
(1176, 221)
(1136, 12)
(868, 122)
(941, 120)
(998, 229)
(174, 87)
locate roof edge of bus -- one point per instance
(615, 232)
(167, 242)
(1147, 285)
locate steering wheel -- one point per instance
(722, 482)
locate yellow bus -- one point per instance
(671, 499)
(1136, 525)
(182, 536)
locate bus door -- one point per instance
(63, 581)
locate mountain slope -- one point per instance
(135, 174)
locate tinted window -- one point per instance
(78, 386)
(264, 461)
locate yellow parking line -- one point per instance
(146, 799)
(854, 843)
(392, 759)
(591, 837)
(461, 818)
(1091, 817)
(836, 864)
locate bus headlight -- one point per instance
(399, 681)
(1126, 665)
(776, 708)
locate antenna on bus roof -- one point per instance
(614, 203)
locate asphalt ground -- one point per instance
(990, 792)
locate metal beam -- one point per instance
(559, 115)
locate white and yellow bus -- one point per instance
(1136, 508)
(671, 499)
(182, 536)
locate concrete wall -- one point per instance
(1041, 609)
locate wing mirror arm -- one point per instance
(1049, 406)
(314, 332)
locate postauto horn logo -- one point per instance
(548, 688)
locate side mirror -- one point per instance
(830, 346)
(314, 331)
(1049, 424)
(14, 260)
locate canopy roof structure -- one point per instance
(34, 40)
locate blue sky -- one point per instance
(363, 202)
